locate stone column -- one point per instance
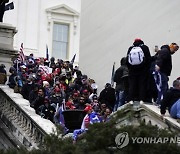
(7, 51)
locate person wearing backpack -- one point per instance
(138, 63)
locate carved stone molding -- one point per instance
(23, 126)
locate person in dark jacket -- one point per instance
(170, 100)
(34, 93)
(11, 81)
(39, 100)
(163, 66)
(3, 74)
(27, 88)
(121, 79)
(138, 74)
(46, 110)
(81, 104)
(107, 96)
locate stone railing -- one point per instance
(150, 114)
(28, 127)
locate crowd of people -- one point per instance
(52, 86)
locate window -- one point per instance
(60, 41)
(62, 26)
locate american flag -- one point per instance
(21, 56)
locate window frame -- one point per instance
(68, 39)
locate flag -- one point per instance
(21, 54)
(9, 6)
(72, 60)
(112, 76)
(47, 54)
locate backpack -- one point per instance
(136, 56)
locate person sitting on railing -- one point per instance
(3, 74)
(171, 101)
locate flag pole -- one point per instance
(17, 65)
(47, 54)
(112, 76)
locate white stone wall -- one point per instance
(30, 18)
(109, 27)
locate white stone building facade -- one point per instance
(109, 27)
(55, 23)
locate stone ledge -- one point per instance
(8, 26)
(167, 118)
(45, 124)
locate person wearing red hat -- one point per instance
(56, 97)
(90, 118)
(138, 62)
(70, 104)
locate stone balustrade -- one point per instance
(150, 114)
(28, 127)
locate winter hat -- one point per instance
(85, 92)
(88, 108)
(137, 40)
(70, 105)
(57, 90)
(45, 83)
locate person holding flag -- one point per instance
(90, 118)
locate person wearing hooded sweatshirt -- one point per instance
(163, 66)
(138, 73)
(121, 79)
